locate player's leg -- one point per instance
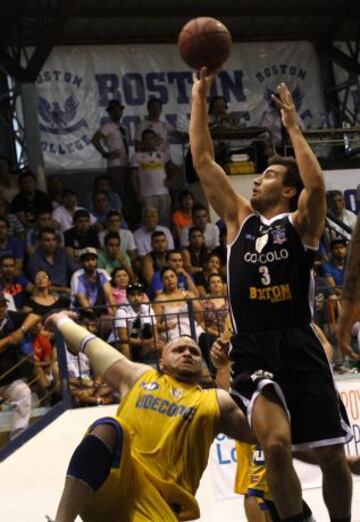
(272, 429)
(89, 468)
(337, 482)
(252, 510)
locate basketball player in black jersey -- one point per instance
(280, 375)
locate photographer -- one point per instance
(135, 325)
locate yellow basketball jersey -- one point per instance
(171, 426)
(244, 453)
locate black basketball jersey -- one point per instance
(269, 275)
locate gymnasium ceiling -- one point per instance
(134, 21)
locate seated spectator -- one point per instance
(174, 260)
(201, 279)
(43, 299)
(55, 190)
(81, 235)
(221, 250)
(152, 173)
(90, 286)
(86, 388)
(43, 221)
(11, 246)
(9, 186)
(102, 206)
(112, 257)
(135, 325)
(29, 201)
(334, 270)
(52, 259)
(201, 220)
(16, 228)
(196, 254)
(13, 388)
(150, 224)
(114, 224)
(46, 370)
(337, 209)
(120, 279)
(162, 129)
(18, 286)
(155, 259)
(183, 216)
(102, 184)
(171, 309)
(64, 214)
(215, 306)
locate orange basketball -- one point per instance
(204, 42)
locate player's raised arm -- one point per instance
(310, 217)
(117, 370)
(227, 204)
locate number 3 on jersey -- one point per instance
(265, 276)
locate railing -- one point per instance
(187, 322)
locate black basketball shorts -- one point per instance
(294, 362)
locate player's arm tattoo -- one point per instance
(351, 289)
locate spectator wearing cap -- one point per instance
(90, 285)
(13, 388)
(50, 257)
(64, 214)
(110, 140)
(81, 235)
(334, 270)
(162, 129)
(135, 324)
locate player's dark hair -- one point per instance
(291, 177)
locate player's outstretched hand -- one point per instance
(350, 313)
(202, 83)
(52, 319)
(286, 105)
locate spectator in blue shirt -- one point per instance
(52, 259)
(334, 269)
(174, 260)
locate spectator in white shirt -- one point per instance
(110, 141)
(337, 209)
(152, 172)
(201, 221)
(150, 224)
(64, 214)
(162, 129)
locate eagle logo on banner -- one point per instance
(58, 118)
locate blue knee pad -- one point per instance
(92, 459)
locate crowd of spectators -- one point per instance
(140, 261)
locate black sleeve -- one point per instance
(17, 318)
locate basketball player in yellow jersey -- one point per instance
(145, 464)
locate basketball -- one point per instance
(204, 42)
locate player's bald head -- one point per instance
(184, 340)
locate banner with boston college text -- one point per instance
(76, 84)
